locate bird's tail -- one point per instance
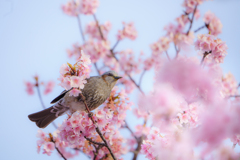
(46, 116)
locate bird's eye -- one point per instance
(110, 74)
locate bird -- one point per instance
(96, 91)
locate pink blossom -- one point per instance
(49, 87)
(127, 62)
(29, 89)
(64, 69)
(128, 31)
(216, 48)
(229, 85)
(74, 92)
(49, 146)
(87, 7)
(66, 83)
(93, 31)
(77, 82)
(187, 78)
(213, 23)
(160, 46)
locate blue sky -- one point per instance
(34, 36)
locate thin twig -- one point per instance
(98, 143)
(191, 22)
(60, 153)
(80, 28)
(140, 80)
(130, 130)
(104, 157)
(99, 28)
(96, 127)
(96, 67)
(234, 96)
(140, 140)
(177, 51)
(52, 140)
(234, 145)
(115, 45)
(204, 56)
(199, 29)
(40, 98)
(168, 56)
(135, 83)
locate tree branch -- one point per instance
(114, 56)
(115, 45)
(205, 55)
(96, 127)
(199, 28)
(96, 67)
(191, 21)
(51, 138)
(80, 28)
(140, 80)
(130, 130)
(168, 55)
(98, 143)
(177, 51)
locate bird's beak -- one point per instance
(116, 77)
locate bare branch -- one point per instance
(191, 21)
(52, 140)
(126, 126)
(115, 45)
(168, 56)
(140, 80)
(98, 143)
(204, 56)
(96, 67)
(80, 28)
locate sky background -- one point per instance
(34, 36)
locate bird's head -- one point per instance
(111, 78)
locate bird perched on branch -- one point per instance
(96, 91)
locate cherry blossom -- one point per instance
(213, 23)
(128, 31)
(29, 88)
(49, 87)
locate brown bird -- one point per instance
(96, 91)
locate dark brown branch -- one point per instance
(204, 56)
(98, 143)
(168, 56)
(97, 129)
(199, 29)
(96, 67)
(191, 21)
(140, 80)
(60, 153)
(80, 28)
(40, 98)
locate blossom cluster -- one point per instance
(214, 25)
(74, 8)
(93, 31)
(30, 86)
(78, 127)
(74, 76)
(215, 48)
(49, 143)
(129, 31)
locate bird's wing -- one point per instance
(60, 96)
